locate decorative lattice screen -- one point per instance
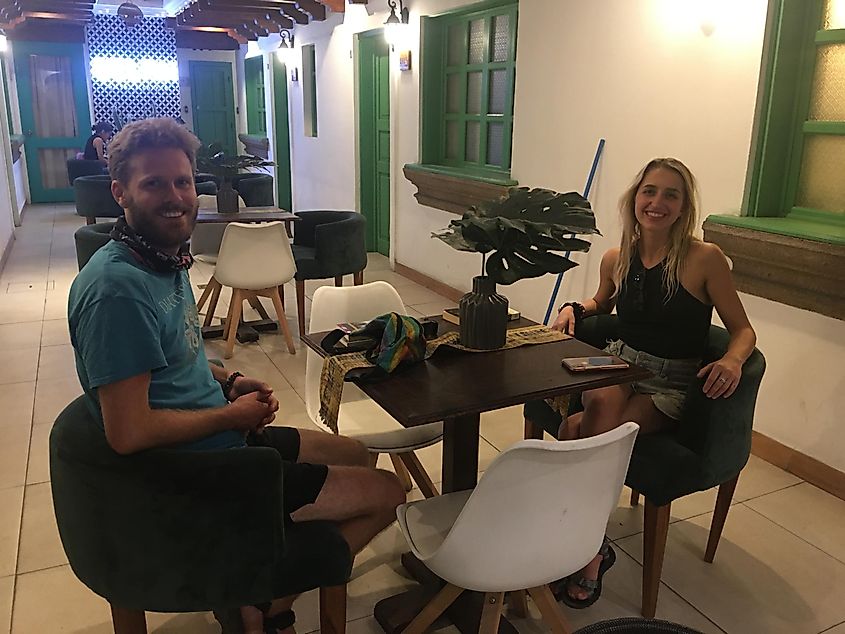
(134, 72)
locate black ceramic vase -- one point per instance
(227, 198)
(483, 315)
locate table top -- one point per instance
(454, 383)
(247, 214)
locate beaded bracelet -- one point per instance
(230, 383)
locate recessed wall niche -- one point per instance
(133, 69)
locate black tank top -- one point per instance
(676, 328)
(90, 152)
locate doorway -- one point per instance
(213, 103)
(374, 137)
(55, 119)
(281, 127)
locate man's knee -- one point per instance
(394, 491)
(602, 398)
(322, 448)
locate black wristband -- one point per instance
(577, 309)
(230, 382)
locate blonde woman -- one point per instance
(664, 284)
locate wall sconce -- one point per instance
(396, 26)
(285, 50)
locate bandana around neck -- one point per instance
(157, 260)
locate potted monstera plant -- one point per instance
(214, 160)
(518, 237)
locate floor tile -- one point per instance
(17, 336)
(430, 309)
(52, 395)
(764, 579)
(416, 294)
(7, 589)
(38, 467)
(11, 503)
(386, 275)
(820, 522)
(188, 623)
(40, 544)
(55, 600)
(19, 365)
(836, 629)
(13, 455)
(56, 362)
(55, 333)
(760, 477)
(503, 427)
(16, 402)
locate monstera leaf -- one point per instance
(213, 159)
(521, 231)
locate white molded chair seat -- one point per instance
(538, 514)
(207, 237)
(254, 260)
(359, 416)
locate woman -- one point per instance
(95, 146)
(664, 283)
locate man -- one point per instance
(139, 354)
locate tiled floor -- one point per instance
(780, 565)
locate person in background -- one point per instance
(95, 146)
(664, 284)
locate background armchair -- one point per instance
(327, 244)
(94, 199)
(89, 239)
(82, 167)
(709, 448)
(172, 530)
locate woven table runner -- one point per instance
(335, 368)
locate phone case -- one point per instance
(583, 364)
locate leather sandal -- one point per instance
(592, 586)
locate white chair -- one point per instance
(360, 417)
(254, 260)
(206, 238)
(538, 514)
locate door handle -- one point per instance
(28, 133)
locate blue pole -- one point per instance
(587, 188)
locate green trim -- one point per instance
(486, 5)
(281, 151)
(831, 36)
(483, 175)
(6, 94)
(256, 110)
(309, 89)
(795, 227)
(823, 127)
(818, 215)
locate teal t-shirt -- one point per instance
(126, 319)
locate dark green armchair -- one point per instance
(709, 448)
(93, 198)
(327, 244)
(171, 530)
(89, 239)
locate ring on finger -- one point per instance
(722, 380)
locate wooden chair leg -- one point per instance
(550, 609)
(212, 306)
(373, 459)
(257, 306)
(358, 278)
(90, 220)
(723, 504)
(532, 430)
(518, 604)
(401, 472)
(654, 547)
(300, 306)
(280, 315)
(229, 316)
(635, 497)
(206, 293)
(127, 621)
(333, 609)
(338, 280)
(419, 474)
(234, 320)
(435, 608)
(492, 613)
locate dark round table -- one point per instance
(636, 625)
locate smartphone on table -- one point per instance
(582, 364)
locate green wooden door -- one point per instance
(374, 141)
(213, 103)
(281, 152)
(55, 119)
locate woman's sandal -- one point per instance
(231, 622)
(592, 586)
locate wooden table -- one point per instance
(247, 331)
(456, 387)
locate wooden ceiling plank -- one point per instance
(313, 8)
(338, 6)
(298, 16)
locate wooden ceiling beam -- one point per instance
(73, 16)
(313, 8)
(338, 6)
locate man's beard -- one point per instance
(144, 222)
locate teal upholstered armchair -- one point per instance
(171, 530)
(709, 448)
(89, 239)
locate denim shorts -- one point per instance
(672, 377)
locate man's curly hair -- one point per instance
(149, 134)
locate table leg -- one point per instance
(460, 452)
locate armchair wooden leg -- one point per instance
(435, 608)
(654, 547)
(235, 319)
(518, 604)
(549, 609)
(373, 459)
(280, 315)
(358, 278)
(635, 497)
(258, 306)
(723, 504)
(206, 293)
(338, 280)
(127, 621)
(333, 609)
(212, 306)
(90, 220)
(401, 472)
(532, 430)
(492, 613)
(300, 306)
(419, 474)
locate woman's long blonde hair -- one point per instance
(680, 236)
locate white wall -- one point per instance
(646, 77)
